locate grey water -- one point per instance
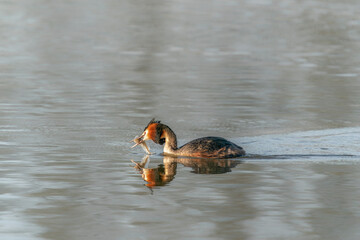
(80, 79)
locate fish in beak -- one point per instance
(141, 141)
(151, 132)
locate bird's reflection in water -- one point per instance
(165, 172)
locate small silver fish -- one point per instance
(138, 141)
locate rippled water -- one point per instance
(79, 79)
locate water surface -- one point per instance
(79, 79)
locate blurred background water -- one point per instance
(79, 79)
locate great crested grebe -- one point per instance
(207, 147)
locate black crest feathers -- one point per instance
(152, 121)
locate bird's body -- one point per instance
(210, 147)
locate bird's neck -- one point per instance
(170, 146)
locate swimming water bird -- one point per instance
(206, 147)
